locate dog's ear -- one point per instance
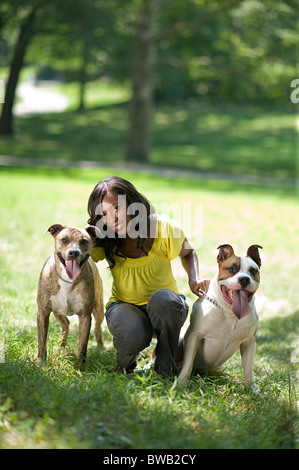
(94, 232)
(55, 229)
(225, 252)
(253, 253)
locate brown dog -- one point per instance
(69, 284)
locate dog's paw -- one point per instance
(252, 388)
(182, 379)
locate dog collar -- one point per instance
(213, 301)
(65, 280)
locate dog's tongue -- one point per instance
(72, 269)
(240, 305)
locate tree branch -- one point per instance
(198, 20)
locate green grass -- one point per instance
(97, 93)
(60, 406)
(227, 138)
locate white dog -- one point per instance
(226, 318)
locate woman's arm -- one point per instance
(189, 261)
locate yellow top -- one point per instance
(136, 279)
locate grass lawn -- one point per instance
(236, 139)
(59, 406)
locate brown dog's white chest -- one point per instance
(67, 301)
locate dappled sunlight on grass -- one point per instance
(230, 139)
(235, 140)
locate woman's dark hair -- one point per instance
(119, 186)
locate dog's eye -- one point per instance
(84, 242)
(64, 240)
(253, 271)
(233, 269)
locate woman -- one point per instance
(145, 299)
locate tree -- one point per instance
(147, 37)
(52, 19)
(140, 114)
(26, 32)
(77, 46)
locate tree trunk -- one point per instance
(26, 32)
(83, 76)
(139, 138)
(140, 115)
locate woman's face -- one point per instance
(114, 213)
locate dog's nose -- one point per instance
(244, 281)
(73, 253)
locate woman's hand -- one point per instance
(197, 284)
(190, 263)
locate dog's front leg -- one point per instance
(190, 351)
(98, 313)
(84, 330)
(98, 309)
(247, 351)
(42, 332)
(64, 322)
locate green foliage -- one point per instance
(246, 53)
(227, 57)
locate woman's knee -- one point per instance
(167, 303)
(130, 327)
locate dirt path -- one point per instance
(34, 100)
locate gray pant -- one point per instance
(133, 327)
